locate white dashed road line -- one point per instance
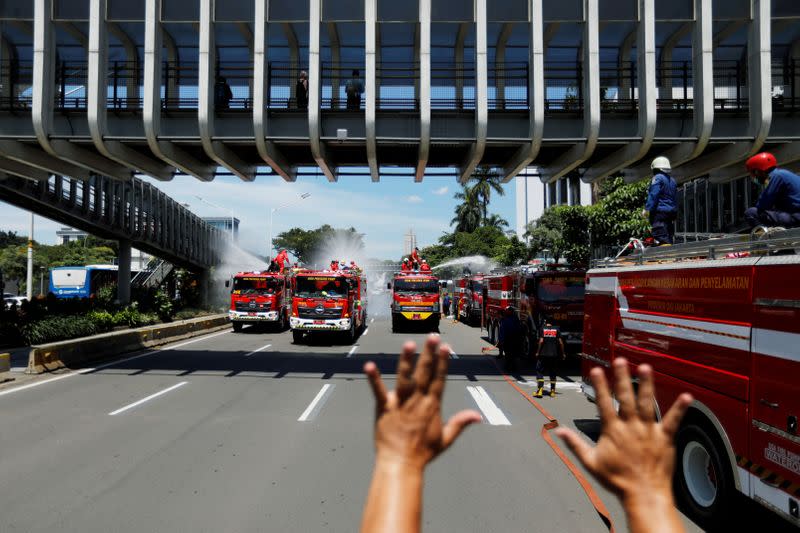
(147, 399)
(316, 404)
(257, 350)
(352, 351)
(490, 411)
(371, 320)
(365, 332)
(112, 363)
(453, 355)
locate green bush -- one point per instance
(58, 328)
(190, 312)
(105, 296)
(163, 306)
(103, 320)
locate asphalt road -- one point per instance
(249, 432)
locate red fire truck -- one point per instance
(470, 298)
(537, 292)
(721, 320)
(328, 302)
(260, 297)
(415, 299)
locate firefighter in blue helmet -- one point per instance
(661, 208)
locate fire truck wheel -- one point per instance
(395, 324)
(703, 482)
(284, 324)
(297, 336)
(237, 327)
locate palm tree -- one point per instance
(468, 212)
(495, 221)
(486, 181)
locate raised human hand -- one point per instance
(635, 454)
(408, 420)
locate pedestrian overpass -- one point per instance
(94, 92)
(575, 87)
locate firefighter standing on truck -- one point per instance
(281, 259)
(779, 203)
(661, 208)
(548, 354)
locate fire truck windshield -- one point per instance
(321, 287)
(253, 285)
(554, 289)
(409, 286)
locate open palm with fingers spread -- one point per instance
(409, 434)
(408, 420)
(635, 455)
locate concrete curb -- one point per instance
(5, 368)
(75, 353)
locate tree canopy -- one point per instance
(307, 245)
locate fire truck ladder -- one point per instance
(762, 241)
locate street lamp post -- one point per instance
(224, 209)
(29, 277)
(272, 211)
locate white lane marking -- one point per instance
(352, 350)
(310, 409)
(257, 350)
(453, 355)
(490, 411)
(116, 362)
(365, 332)
(147, 399)
(371, 320)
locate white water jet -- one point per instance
(475, 263)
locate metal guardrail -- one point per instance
(761, 241)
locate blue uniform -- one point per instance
(661, 194)
(662, 207)
(779, 203)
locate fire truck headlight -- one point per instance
(293, 322)
(436, 307)
(272, 315)
(345, 322)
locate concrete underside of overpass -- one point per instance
(579, 87)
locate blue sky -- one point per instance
(384, 211)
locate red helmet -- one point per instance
(763, 161)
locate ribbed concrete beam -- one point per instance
(786, 154)
(206, 108)
(315, 91)
(370, 85)
(481, 94)
(646, 81)
(166, 151)
(266, 149)
(424, 88)
(759, 100)
(22, 170)
(500, 63)
(590, 50)
(702, 95)
(536, 91)
(43, 101)
(34, 156)
(97, 96)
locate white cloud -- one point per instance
(414, 199)
(441, 191)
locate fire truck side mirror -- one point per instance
(227, 283)
(389, 286)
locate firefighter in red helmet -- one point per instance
(779, 202)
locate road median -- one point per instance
(76, 353)
(5, 367)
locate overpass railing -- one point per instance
(133, 210)
(452, 85)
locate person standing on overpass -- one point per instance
(779, 203)
(661, 208)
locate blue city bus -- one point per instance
(81, 281)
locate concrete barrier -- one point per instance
(75, 353)
(5, 367)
